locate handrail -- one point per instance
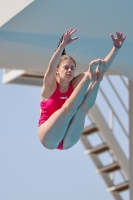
(117, 94)
(112, 175)
(113, 111)
(116, 115)
(124, 81)
(111, 122)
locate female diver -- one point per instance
(65, 99)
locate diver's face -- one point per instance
(66, 70)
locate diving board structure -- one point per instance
(29, 33)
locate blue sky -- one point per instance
(30, 171)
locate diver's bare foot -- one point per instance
(102, 67)
(99, 76)
(92, 69)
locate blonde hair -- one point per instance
(65, 57)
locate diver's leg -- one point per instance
(76, 125)
(55, 128)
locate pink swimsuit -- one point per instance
(54, 103)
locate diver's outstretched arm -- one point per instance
(51, 70)
(65, 41)
(106, 63)
(117, 42)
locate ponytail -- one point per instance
(64, 56)
(63, 52)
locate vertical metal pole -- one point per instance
(111, 124)
(111, 115)
(131, 137)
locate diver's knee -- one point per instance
(67, 145)
(47, 144)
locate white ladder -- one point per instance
(108, 144)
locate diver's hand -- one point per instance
(118, 41)
(67, 39)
